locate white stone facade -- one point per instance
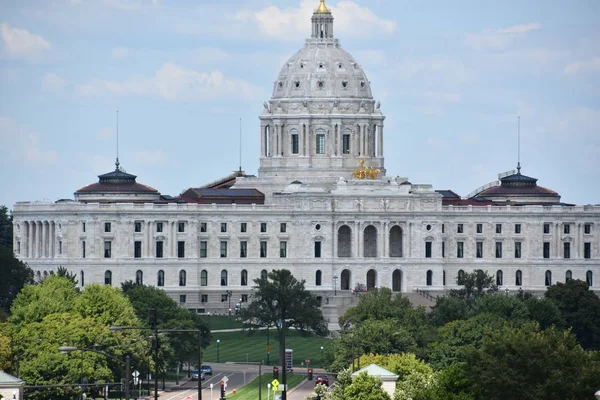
(335, 232)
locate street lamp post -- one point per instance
(335, 278)
(321, 356)
(69, 349)
(218, 341)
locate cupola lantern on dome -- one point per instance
(322, 22)
(322, 8)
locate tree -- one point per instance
(6, 228)
(580, 309)
(528, 363)
(282, 301)
(15, 274)
(365, 387)
(378, 304)
(474, 284)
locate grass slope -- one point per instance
(250, 391)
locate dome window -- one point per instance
(344, 84)
(321, 84)
(362, 84)
(297, 84)
(280, 84)
(301, 65)
(340, 65)
(321, 65)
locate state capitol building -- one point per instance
(322, 205)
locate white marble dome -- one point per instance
(322, 69)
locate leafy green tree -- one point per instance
(282, 301)
(6, 228)
(544, 311)
(5, 348)
(528, 363)
(383, 337)
(377, 304)
(365, 387)
(402, 364)
(580, 309)
(450, 384)
(15, 274)
(474, 284)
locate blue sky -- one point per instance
(452, 77)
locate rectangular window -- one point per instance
(517, 228)
(546, 249)
(181, 227)
(137, 249)
(546, 229)
(317, 249)
(159, 227)
(203, 248)
(498, 249)
(83, 249)
(295, 147)
(587, 250)
(320, 143)
(459, 228)
(181, 249)
(443, 249)
(518, 249)
(107, 227)
(203, 227)
(346, 144)
(567, 229)
(244, 298)
(263, 249)
(243, 227)
(263, 227)
(159, 249)
(203, 298)
(83, 227)
(498, 228)
(479, 250)
(479, 228)
(223, 248)
(283, 227)
(567, 250)
(107, 249)
(460, 247)
(224, 298)
(283, 249)
(243, 249)
(19, 247)
(59, 246)
(223, 227)
(137, 227)
(427, 249)
(587, 229)
(182, 298)
(443, 227)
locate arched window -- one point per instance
(204, 278)
(371, 279)
(460, 277)
(548, 278)
(344, 241)
(429, 278)
(589, 278)
(318, 276)
(139, 277)
(568, 275)
(397, 280)
(345, 280)
(82, 280)
(444, 278)
(519, 278)
(370, 241)
(264, 274)
(244, 278)
(224, 277)
(499, 278)
(38, 275)
(108, 278)
(45, 274)
(396, 241)
(182, 278)
(161, 278)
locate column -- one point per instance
(174, 239)
(38, 239)
(148, 237)
(408, 246)
(359, 240)
(263, 129)
(380, 140)
(357, 151)
(384, 241)
(26, 233)
(556, 240)
(45, 239)
(30, 239)
(52, 240)
(335, 239)
(365, 140)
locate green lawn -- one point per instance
(217, 322)
(250, 391)
(242, 346)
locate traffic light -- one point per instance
(310, 374)
(222, 390)
(275, 373)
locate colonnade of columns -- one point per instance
(38, 240)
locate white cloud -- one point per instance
(294, 23)
(119, 52)
(20, 43)
(583, 66)
(497, 39)
(150, 157)
(175, 83)
(25, 145)
(53, 83)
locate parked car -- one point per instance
(198, 374)
(207, 369)
(322, 379)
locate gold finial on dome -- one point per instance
(322, 8)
